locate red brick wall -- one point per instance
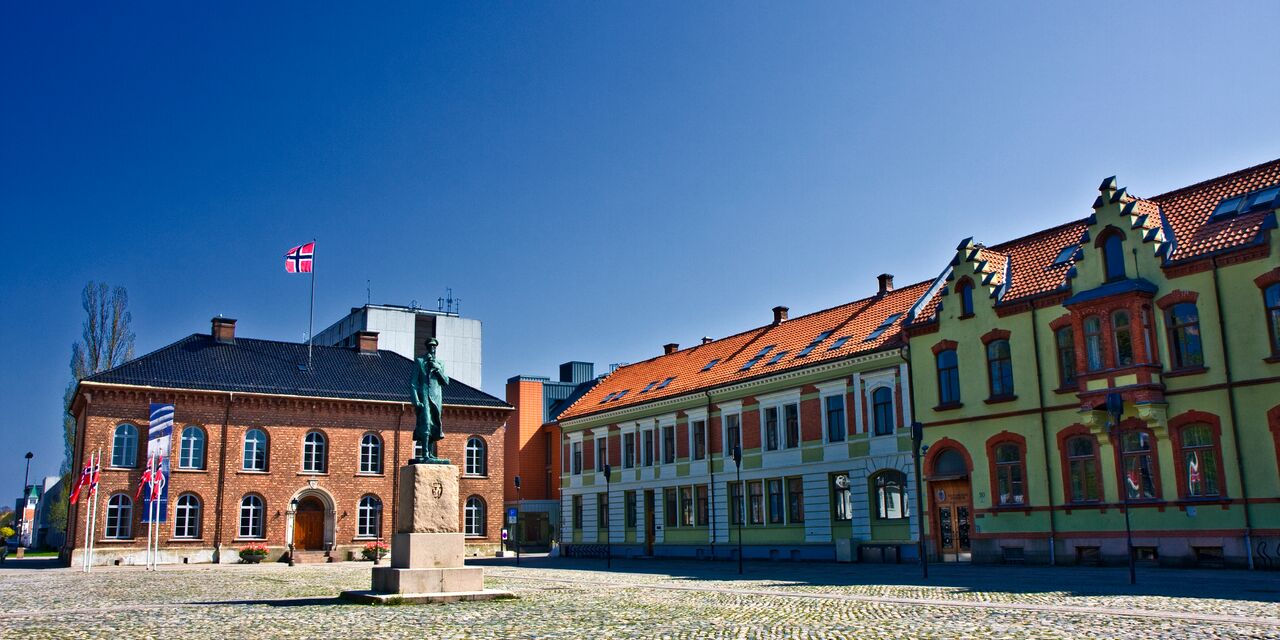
(750, 424)
(286, 421)
(811, 419)
(526, 453)
(682, 439)
(615, 447)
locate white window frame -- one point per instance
(629, 434)
(474, 517)
(727, 409)
(838, 389)
(266, 450)
(662, 442)
(778, 401)
(185, 452)
(481, 453)
(121, 513)
(186, 524)
(369, 514)
(260, 517)
(366, 459)
(129, 452)
(872, 382)
(699, 415)
(309, 452)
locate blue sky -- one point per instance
(593, 179)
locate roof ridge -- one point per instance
(137, 358)
(1217, 179)
(1042, 232)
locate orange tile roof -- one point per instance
(1187, 211)
(854, 320)
(1033, 271)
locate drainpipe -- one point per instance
(1044, 434)
(222, 479)
(395, 477)
(1231, 402)
(711, 472)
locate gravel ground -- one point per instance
(647, 599)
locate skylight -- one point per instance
(620, 394)
(1065, 255)
(812, 345)
(1264, 200)
(888, 322)
(1228, 207)
(838, 343)
(665, 383)
(780, 355)
(756, 358)
(711, 364)
(649, 386)
(608, 397)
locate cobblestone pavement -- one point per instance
(648, 599)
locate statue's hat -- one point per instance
(431, 342)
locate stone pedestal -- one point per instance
(427, 548)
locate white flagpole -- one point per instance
(151, 523)
(88, 516)
(93, 510)
(312, 319)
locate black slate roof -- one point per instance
(266, 366)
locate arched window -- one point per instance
(370, 453)
(1065, 343)
(191, 451)
(1000, 368)
(1271, 297)
(1113, 257)
(949, 463)
(186, 517)
(1137, 451)
(314, 453)
(1093, 343)
(1200, 461)
(1010, 474)
(369, 517)
(473, 517)
(1082, 469)
(1183, 320)
(966, 299)
(124, 446)
(477, 463)
(255, 450)
(882, 411)
(890, 495)
(119, 517)
(948, 377)
(1123, 338)
(252, 524)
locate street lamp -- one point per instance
(737, 461)
(517, 527)
(608, 524)
(917, 450)
(293, 506)
(22, 519)
(1115, 407)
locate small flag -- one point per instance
(86, 477)
(1193, 473)
(146, 477)
(299, 258)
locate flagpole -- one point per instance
(88, 514)
(312, 319)
(151, 523)
(93, 509)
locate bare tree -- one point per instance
(106, 341)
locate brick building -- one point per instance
(266, 450)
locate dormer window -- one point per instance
(1113, 257)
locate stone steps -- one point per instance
(310, 557)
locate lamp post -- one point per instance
(1115, 407)
(917, 450)
(737, 461)
(517, 527)
(22, 515)
(608, 523)
(293, 508)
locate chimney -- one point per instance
(779, 314)
(886, 283)
(670, 348)
(707, 340)
(367, 341)
(224, 330)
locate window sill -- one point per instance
(182, 540)
(1194, 500)
(253, 472)
(1000, 399)
(1190, 371)
(1010, 508)
(115, 468)
(370, 475)
(248, 539)
(117, 540)
(950, 406)
(189, 470)
(964, 316)
(1273, 359)
(313, 473)
(365, 539)
(474, 476)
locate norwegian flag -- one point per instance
(86, 477)
(299, 258)
(146, 477)
(1193, 473)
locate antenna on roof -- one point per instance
(448, 303)
(368, 293)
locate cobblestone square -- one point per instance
(561, 598)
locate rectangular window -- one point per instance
(756, 493)
(629, 450)
(670, 506)
(668, 444)
(771, 428)
(647, 437)
(699, 439)
(835, 418)
(1136, 448)
(795, 500)
(792, 414)
(703, 506)
(602, 510)
(1185, 349)
(629, 504)
(775, 502)
(732, 434)
(842, 495)
(577, 458)
(546, 444)
(735, 503)
(1065, 344)
(686, 506)
(602, 452)
(577, 512)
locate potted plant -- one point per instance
(253, 553)
(375, 551)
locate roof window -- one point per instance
(620, 394)
(778, 356)
(649, 386)
(1228, 207)
(838, 343)
(1064, 256)
(888, 322)
(665, 383)
(812, 345)
(756, 358)
(711, 364)
(1264, 200)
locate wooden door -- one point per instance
(650, 530)
(308, 525)
(953, 518)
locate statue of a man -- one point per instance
(429, 380)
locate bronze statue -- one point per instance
(428, 384)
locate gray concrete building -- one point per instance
(405, 330)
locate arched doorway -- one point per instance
(950, 502)
(308, 524)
